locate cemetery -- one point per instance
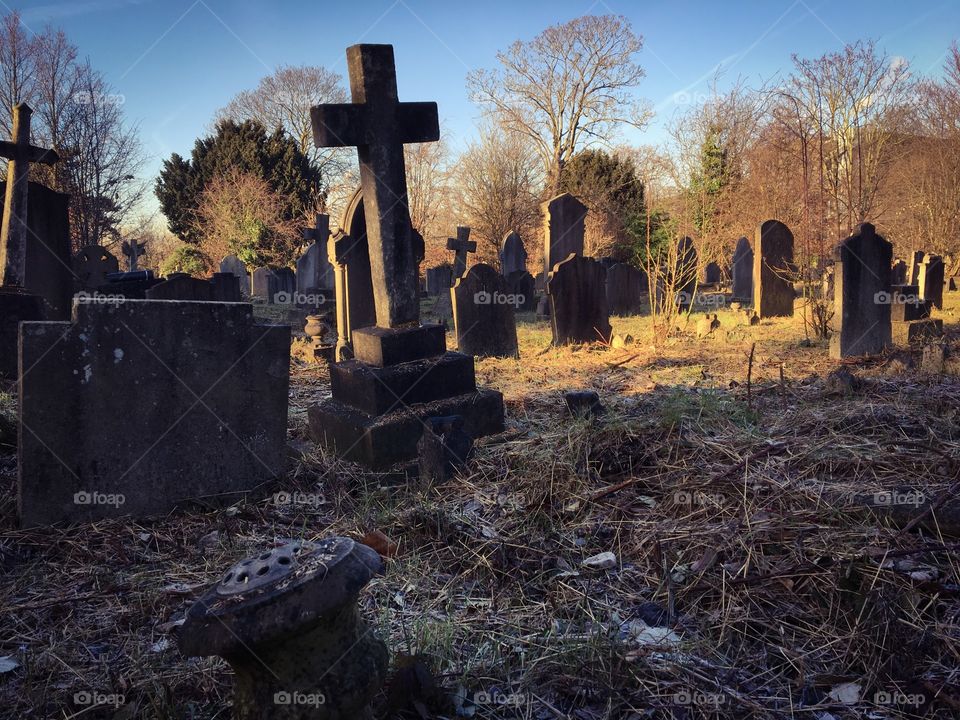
(585, 441)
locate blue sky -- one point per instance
(177, 61)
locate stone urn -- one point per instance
(287, 622)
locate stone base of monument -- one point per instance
(383, 398)
(16, 306)
(916, 331)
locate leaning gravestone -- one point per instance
(625, 289)
(513, 256)
(743, 271)
(137, 406)
(862, 294)
(564, 217)
(401, 375)
(577, 289)
(483, 310)
(930, 280)
(773, 293)
(522, 286)
(91, 265)
(233, 264)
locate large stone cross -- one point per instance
(13, 233)
(461, 245)
(320, 231)
(379, 125)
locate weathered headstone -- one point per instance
(742, 270)
(913, 270)
(712, 274)
(222, 287)
(461, 245)
(286, 286)
(402, 374)
(265, 284)
(202, 412)
(862, 294)
(483, 309)
(625, 289)
(522, 286)
(513, 256)
(685, 282)
(930, 280)
(577, 289)
(438, 279)
(898, 274)
(564, 218)
(314, 271)
(910, 317)
(91, 265)
(773, 293)
(233, 264)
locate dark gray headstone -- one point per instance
(91, 265)
(898, 274)
(564, 217)
(233, 264)
(773, 293)
(286, 285)
(686, 272)
(513, 256)
(314, 271)
(862, 294)
(157, 402)
(577, 289)
(439, 279)
(930, 280)
(522, 286)
(48, 251)
(742, 269)
(225, 287)
(265, 284)
(483, 309)
(712, 274)
(625, 289)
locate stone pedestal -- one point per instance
(398, 379)
(16, 306)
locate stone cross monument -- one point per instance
(461, 245)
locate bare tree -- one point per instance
(427, 179)
(283, 100)
(572, 85)
(498, 180)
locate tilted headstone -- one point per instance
(930, 280)
(773, 293)
(862, 294)
(438, 279)
(522, 286)
(314, 271)
(232, 264)
(513, 256)
(401, 374)
(742, 270)
(564, 218)
(461, 245)
(137, 406)
(91, 265)
(898, 275)
(483, 310)
(265, 284)
(577, 289)
(625, 289)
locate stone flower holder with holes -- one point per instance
(287, 623)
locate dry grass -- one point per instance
(751, 575)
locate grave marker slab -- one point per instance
(625, 289)
(483, 313)
(314, 270)
(577, 290)
(522, 286)
(265, 284)
(712, 274)
(564, 218)
(154, 402)
(686, 270)
(773, 293)
(232, 264)
(930, 280)
(862, 294)
(898, 275)
(743, 271)
(513, 256)
(438, 279)
(91, 265)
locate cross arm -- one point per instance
(338, 125)
(10, 150)
(419, 122)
